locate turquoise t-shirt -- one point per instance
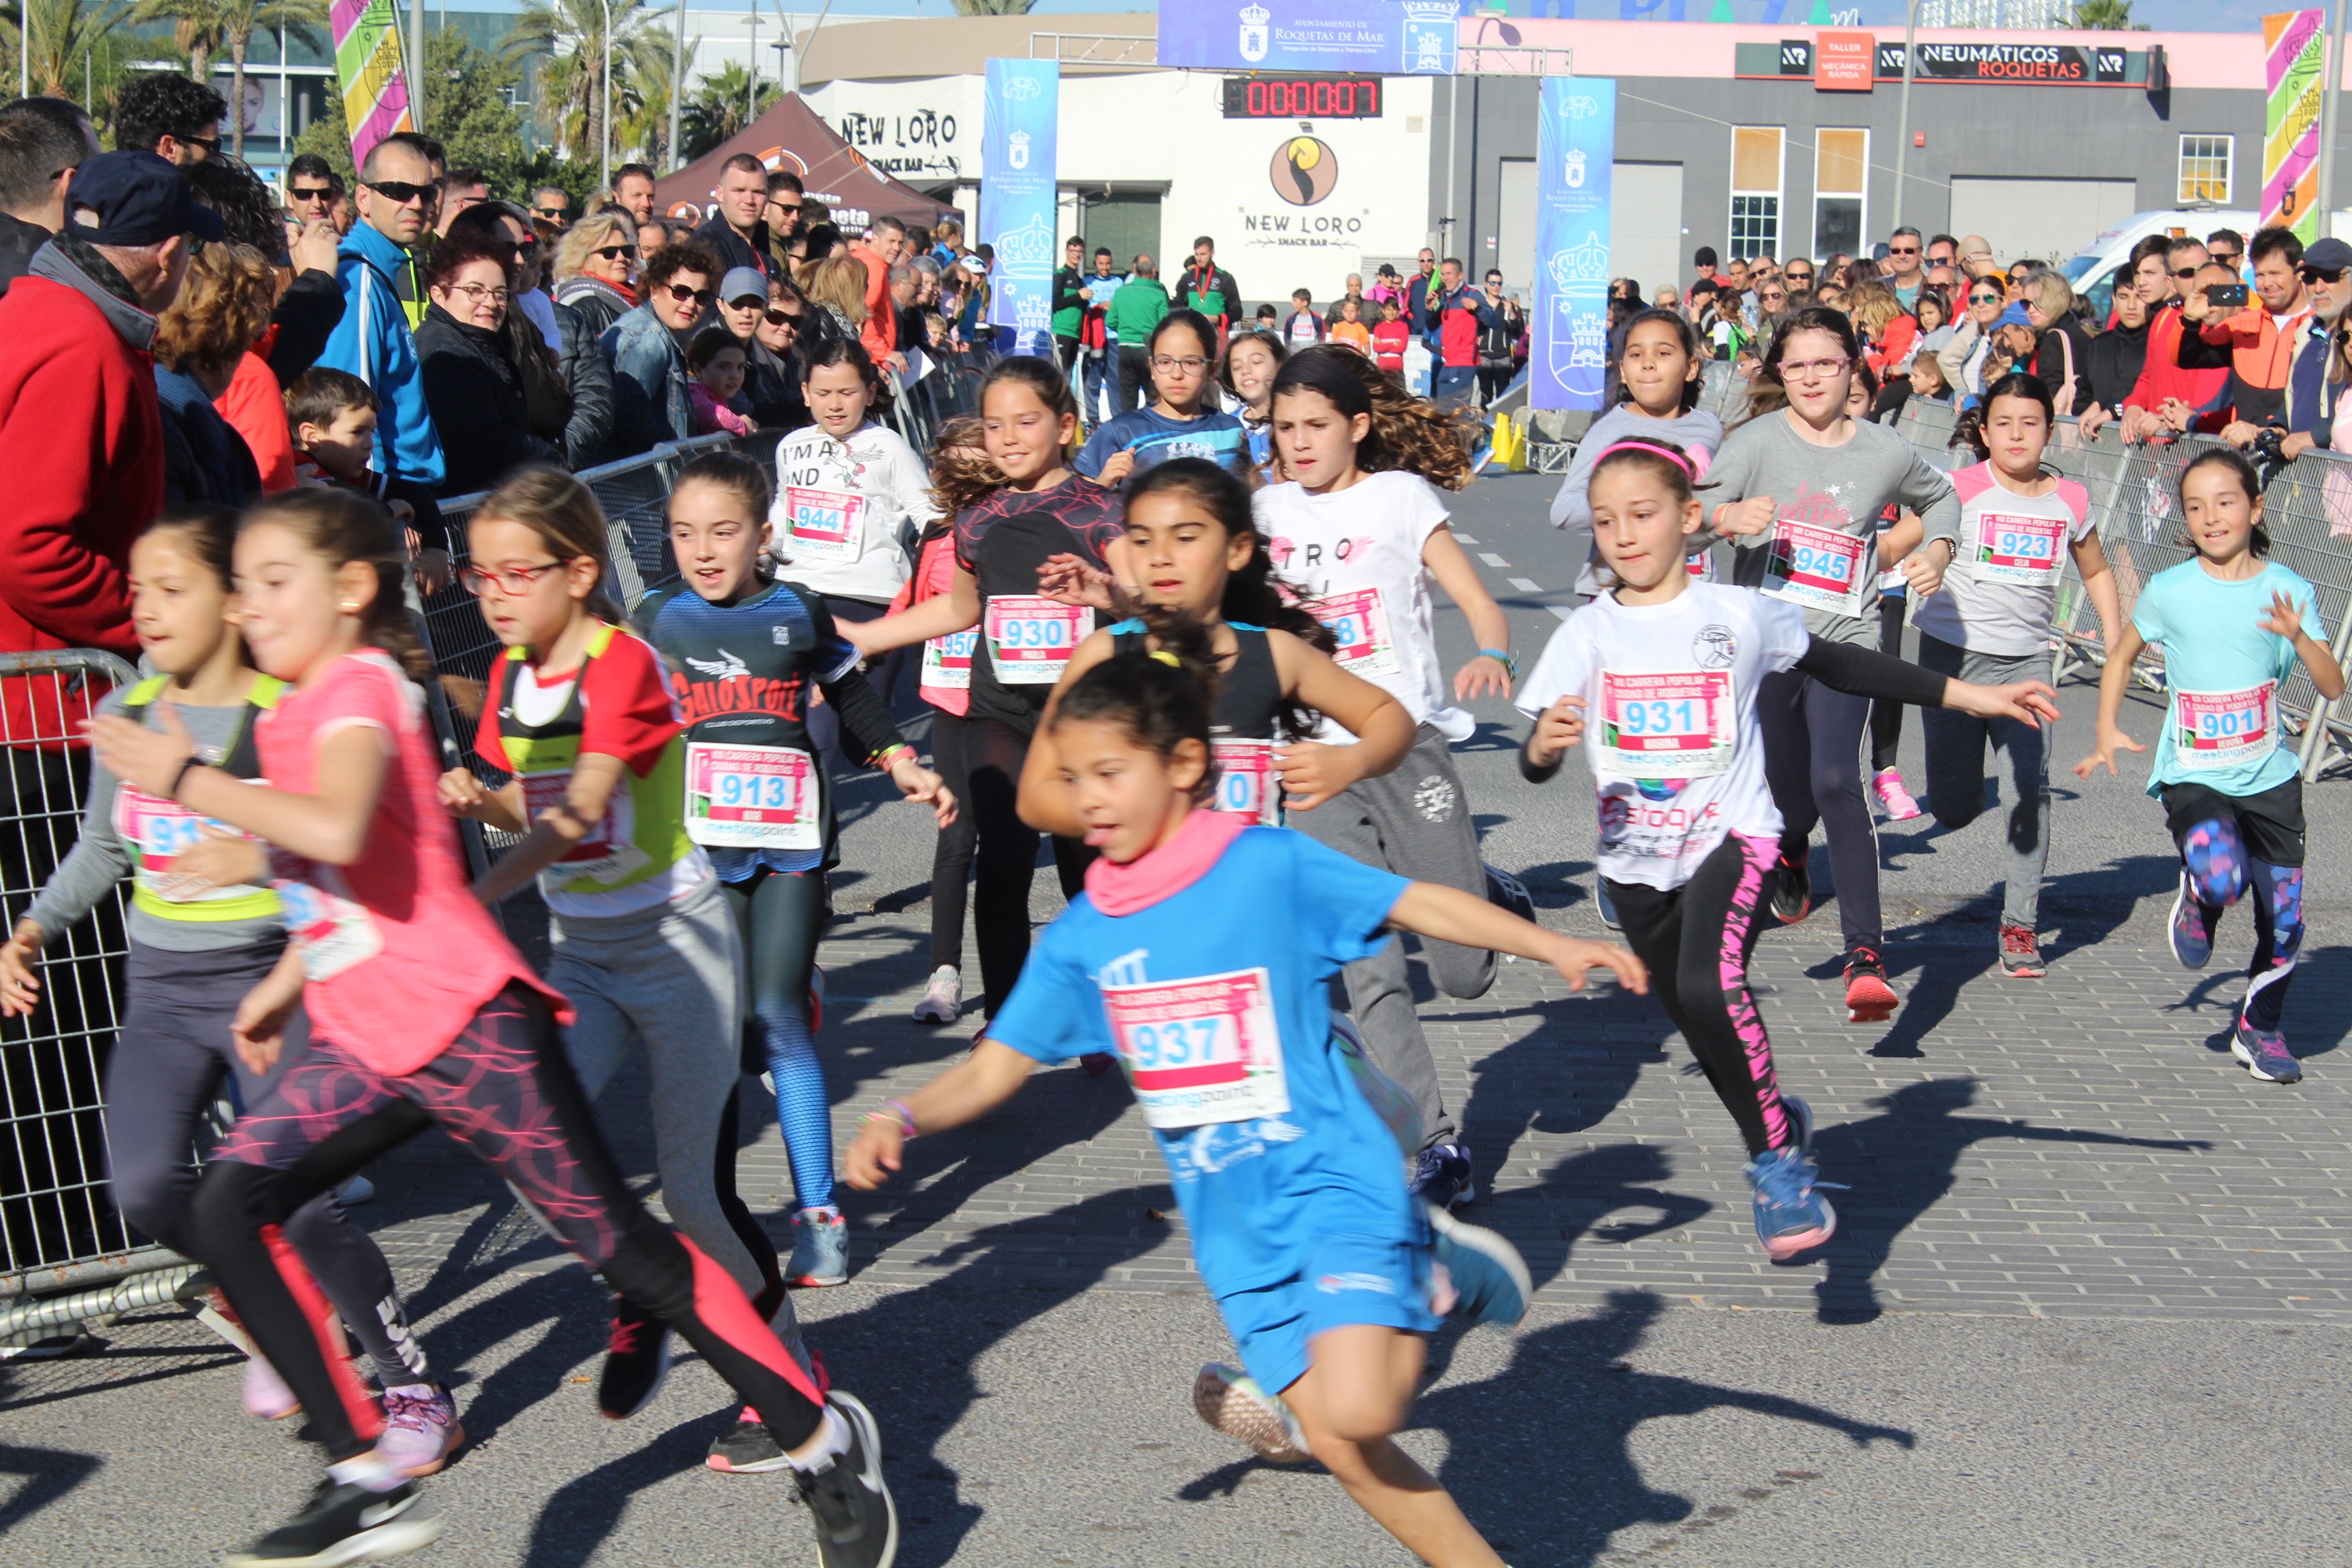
(2222, 728)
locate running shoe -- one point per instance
(1888, 786)
(2266, 1054)
(2192, 930)
(1792, 886)
(746, 1448)
(1868, 998)
(1792, 1216)
(1608, 905)
(345, 1523)
(856, 1523)
(1443, 1176)
(820, 1248)
(265, 1393)
(637, 1362)
(1506, 891)
(356, 1190)
(420, 1430)
(943, 998)
(2021, 955)
(1489, 1279)
(1097, 1063)
(1231, 1402)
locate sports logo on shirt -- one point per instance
(726, 667)
(1714, 647)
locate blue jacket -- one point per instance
(650, 401)
(372, 342)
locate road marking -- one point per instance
(1464, 538)
(1491, 559)
(1526, 584)
(1562, 611)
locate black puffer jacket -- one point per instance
(588, 438)
(476, 398)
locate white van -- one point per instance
(2094, 272)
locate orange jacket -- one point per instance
(880, 333)
(2261, 351)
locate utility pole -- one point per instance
(416, 64)
(751, 102)
(1903, 115)
(2327, 128)
(676, 85)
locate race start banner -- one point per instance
(367, 68)
(2294, 42)
(1576, 141)
(1020, 116)
(1393, 38)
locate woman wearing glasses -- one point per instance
(1800, 491)
(1963, 358)
(1182, 421)
(651, 403)
(472, 384)
(596, 272)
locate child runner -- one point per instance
(744, 652)
(1894, 598)
(1246, 371)
(1801, 491)
(1199, 557)
(2233, 625)
(423, 1014)
(1202, 952)
(1654, 680)
(1991, 624)
(1362, 529)
(580, 714)
(205, 928)
(1003, 540)
(717, 363)
(1183, 421)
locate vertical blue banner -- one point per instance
(1020, 116)
(1576, 142)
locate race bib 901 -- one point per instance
(1815, 568)
(2217, 730)
(1201, 1050)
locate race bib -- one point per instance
(2217, 730)
(752, 797)
(823, 525)
(947, 661)
(1201, 1050)
(1031, 639)
(2018, 549)
(162, 831)
(604, 852)
(1247, 784)
(1701, 566)
(1361, 626)
(1815, 568)
(1674, 725)
(334, 931)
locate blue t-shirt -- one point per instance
(1154, 438)
(2215, 666)
(1272, 920)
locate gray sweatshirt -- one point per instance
(1696, 431)
(1839, 489)
(100, 857)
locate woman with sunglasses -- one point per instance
(651, 402)
(596, 271)
(1800, 491)
(1963, 358)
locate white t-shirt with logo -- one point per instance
(847, 512)
(2000, 593)
(1354, 555)
(1670, 729)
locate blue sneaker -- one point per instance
(1792, 1216)
(2193, 934)
(1608, 905)
(1490, 1279)
(2266, 1054)
(820, 1249)
(1443, 1176)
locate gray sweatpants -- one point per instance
(1956, 767)
(1414, 821)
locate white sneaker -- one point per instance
(943, 998)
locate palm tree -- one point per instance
(64, 31)
(239, 20)
(646, 128)
(721, 106)
(994, 7)
(2107, 16)
(571, 83)
(198, 28)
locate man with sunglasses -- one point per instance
(313, 189)
(2228, 249)
(1943, 250)
(1799, 276)
(1906, 250)
(782, 214)
(553, 204)
(165, 113)
(2306, 413)
(374, 341)
(646, 347)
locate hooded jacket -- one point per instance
(373, 343)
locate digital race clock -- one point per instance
(1302, 97)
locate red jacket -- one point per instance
(880, 333)
(2161, 377)
(81, 443)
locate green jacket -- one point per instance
(1140, 305)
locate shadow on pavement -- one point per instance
(49, 1474)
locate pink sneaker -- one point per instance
(266, 1393)
(1888, 786)
(420, 1429)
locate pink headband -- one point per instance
(1693, 463)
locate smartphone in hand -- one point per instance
(2226, 296)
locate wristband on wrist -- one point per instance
(887, 757)
(1502, 656)
(895, 1113)
(180, 777)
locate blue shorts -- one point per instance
(1346, 1280)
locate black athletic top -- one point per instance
(1002, 541)
(1249, 695)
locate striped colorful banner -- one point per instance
(2293, 48)
(367, 64)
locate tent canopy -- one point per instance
(793, 136)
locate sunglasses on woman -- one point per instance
(615, 252)
(681, 293)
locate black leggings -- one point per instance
(1886, 717)
(1697, 941)
(1006, 853)
(1813, 760)
(504, 1090)
(883, 674)
(952, 857)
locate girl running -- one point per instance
(1003, 540)
(1323, 1268)
(1183, 421)
(2233, 625)
(205, 928)
(1991, 624)
(1246, 371)
(423, 1014)
(1198, 558)
(1654, 679)
(1886, 785)
(744, 651)
(1802, 489)
(580, 714)
(1659, 373)
(1362, 529)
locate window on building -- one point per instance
(2205, 168)
(1841, 172)
(1754, 190)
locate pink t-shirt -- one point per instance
(399, 954)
